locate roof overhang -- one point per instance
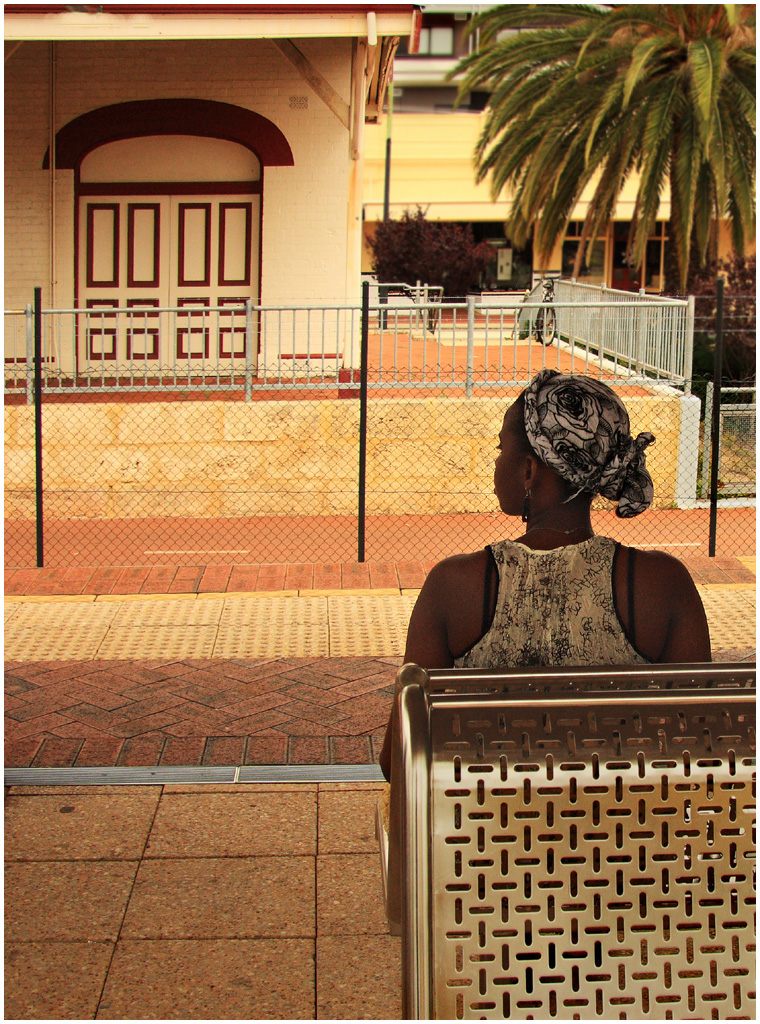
(83, 22)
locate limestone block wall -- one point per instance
(231, 459)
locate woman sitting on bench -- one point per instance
(560, 595)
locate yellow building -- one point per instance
(432, 147)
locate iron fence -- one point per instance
(387, 457)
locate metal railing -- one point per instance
(431, 345)
(737, 443)
(651, 335)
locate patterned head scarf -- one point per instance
(580, 429)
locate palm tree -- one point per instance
(588, 95)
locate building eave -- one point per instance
(93, 22)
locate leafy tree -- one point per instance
(435, 252)
(739, 318)
(590, 94)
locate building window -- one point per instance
(592, 269)
(654, 261)
(437, 41)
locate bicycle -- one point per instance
(545, 324)
(546, 318)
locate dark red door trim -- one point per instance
(139, 118)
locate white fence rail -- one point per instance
(650, 334)
(429, 345)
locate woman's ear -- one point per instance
(532, 468)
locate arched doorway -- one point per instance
(168, 214)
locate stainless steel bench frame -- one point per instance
(634, 899)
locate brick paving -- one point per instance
(185, 711)
(227, 579)
(196, 712)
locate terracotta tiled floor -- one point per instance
(170, 902)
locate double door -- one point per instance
(190, 253)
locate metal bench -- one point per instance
(574, 844)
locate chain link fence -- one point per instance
(382, 452)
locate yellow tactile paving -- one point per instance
(122, 642)
(52, 645)
(170, 613)
(268, 626)
(368, 625)
(731, 615)
(281, 627)
(749, 563)
(59, 615)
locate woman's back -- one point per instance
(554, 607)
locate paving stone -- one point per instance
(84, 826)
(350, 750)
(347, 821)
(186, 750)
(243, 897)
(55, 980)
(350, 895)
(99, 753)
(307, 750)
(240, 979)
(224, 750)
(234, 824)
(141, 751)
(20, 753)
(267, 747)
(66, 900)
(358, 977)
(57, 753)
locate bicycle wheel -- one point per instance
(549, 326)
(546, 325)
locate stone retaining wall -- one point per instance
(216, 459)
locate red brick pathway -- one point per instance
(228, 579)
(196, 712)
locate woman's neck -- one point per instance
(557, 526)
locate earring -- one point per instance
(526, 507)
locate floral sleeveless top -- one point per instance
(554, 608)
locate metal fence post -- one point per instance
(29, 317)
(248, 348)
(363, 424)
(715, 425)
(688, 354)
(38, 425)
(470, 343)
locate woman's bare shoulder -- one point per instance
(457, 572)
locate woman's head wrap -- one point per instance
(580, 428)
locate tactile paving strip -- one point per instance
(62, 615)
(169, 613)
(265, 626)
(276, 627)
(371, 626)
(40, 644)
(123, 642)
(731, 616)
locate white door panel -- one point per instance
(186, 251)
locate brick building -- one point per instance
(189, 154)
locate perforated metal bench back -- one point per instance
(592, 857)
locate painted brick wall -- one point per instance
(304, 241)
